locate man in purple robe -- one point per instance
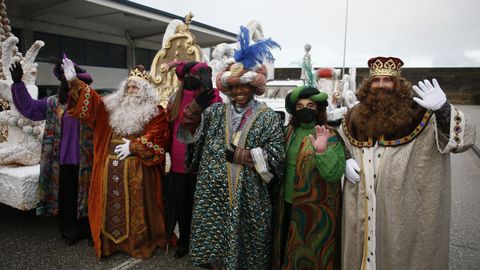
(67, 154)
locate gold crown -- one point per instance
(385, 66)
(135, 72)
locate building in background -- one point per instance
(106, 37)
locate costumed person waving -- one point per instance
(240, 151)
(398, 214)
(307, 234)
(67, 154)
(125, 200)
(180, 186)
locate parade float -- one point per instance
(21, 140)
(179, 44)
(341, 92)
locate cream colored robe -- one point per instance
(405, 191)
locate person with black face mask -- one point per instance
(309, 209)
(67, 154)
(180, 185)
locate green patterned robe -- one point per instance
(232, 212)
(313, 240)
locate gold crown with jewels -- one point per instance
(385, 66)
(140, 73)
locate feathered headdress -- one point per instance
(255, 54)
(246, 66)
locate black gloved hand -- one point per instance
(205, 76)
(204, 98)
(229, 154)
(240, 156)
(16, 71)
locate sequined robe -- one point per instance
(233, 212)
(398, 215)
(125, 200)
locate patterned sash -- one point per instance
(116, 205)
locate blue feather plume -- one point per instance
(250, 55)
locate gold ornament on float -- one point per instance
(179, 47)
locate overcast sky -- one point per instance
(423, 33)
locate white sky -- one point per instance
(423, 33)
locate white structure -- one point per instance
(20, 153)
(18, 186)
(24, 139)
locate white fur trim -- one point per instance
(367, 179)
(260, 162)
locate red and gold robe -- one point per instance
(125, 200)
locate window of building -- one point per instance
(81, 51)
(97, 53)
(116, 56)
(18, 33)
(144, 57)
(75, 49)
(51, 51)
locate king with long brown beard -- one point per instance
(397, 200)
(386, 107)
(125, 201)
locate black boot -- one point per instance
(181, 252)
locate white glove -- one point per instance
(69, 69)
(123, 150)
(352, 170)
(432, 96)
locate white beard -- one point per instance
(128, 114)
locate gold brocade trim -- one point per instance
(243, 138)
(352, 140)
(457, 129)
(156, 148)
(127, 200)
(409, 137)
(229, 176)
(85, 102)
(381, 140)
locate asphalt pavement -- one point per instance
(31, 242)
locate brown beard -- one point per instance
(383, 111)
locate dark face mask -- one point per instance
(191, 83)
(306, 115)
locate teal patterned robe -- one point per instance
(232, 218)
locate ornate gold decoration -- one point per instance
(236, 68)
(382, 66)
(135, 72)
(385, 66)
(188, 20)
(179, 47)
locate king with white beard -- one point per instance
(125, 200)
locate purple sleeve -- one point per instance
(30, 108)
